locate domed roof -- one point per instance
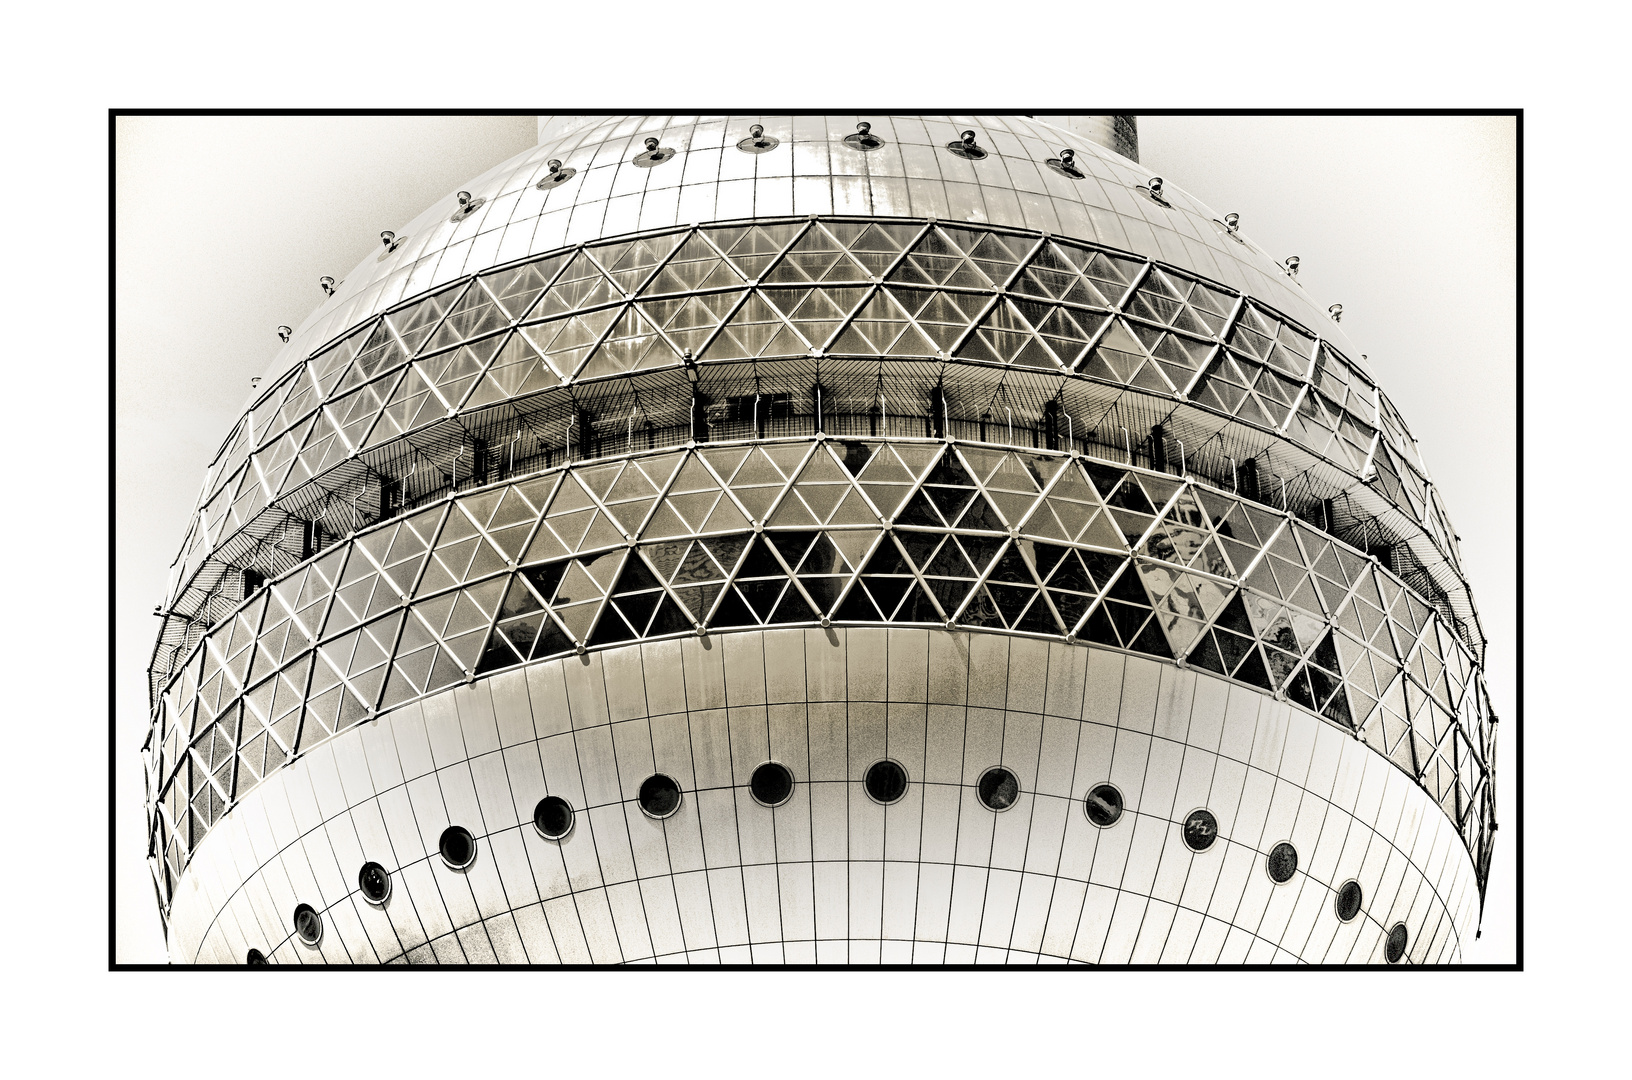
(812, 170)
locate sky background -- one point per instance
(224, 225)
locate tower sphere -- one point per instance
(808, 539)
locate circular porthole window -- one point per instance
(308, 924)
(457, 846)
(552, 817)
(1349, 897)
(375, 883)
(886, 782)
(1394, 951)
(1282, 863)
(771, 784)
(659, 796)
(1103, 805)
(1200, 830)
(256, 958)
(998, 788)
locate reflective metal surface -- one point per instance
(824, 531)
(832, 876)
(1004, 500)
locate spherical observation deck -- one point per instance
(687, 470)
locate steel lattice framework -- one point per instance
(1119, 345)
(527, 432)
(821, 531)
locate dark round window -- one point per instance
(1200, 830)
(998, 788)
(771, 784)
(1282, 863)
(308, 924)
(552, 817)
(659, 795)
(886, 782)
(375, 882)
(1348, 901)
(457, 846)
(256, 958)
(1104, 806)
(1394, 951)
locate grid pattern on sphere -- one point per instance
(783, 289)
(475, 358)
(726, 537)
(811, 172)
(1035, 883)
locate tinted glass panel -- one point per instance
(1104, 806)
(553, 817)
(1200, 830)
(375, 882)
(659, 795)
(998, 788)
(457, 846)
(1348, 900)
(1282, 863)
(886, 782)
(1397, 939)
(308, 924)
(771, 784)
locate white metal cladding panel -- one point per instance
(831, 876)
(211, 686)
(813, 172)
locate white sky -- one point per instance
(225, 225)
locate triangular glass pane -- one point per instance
(517, 289)
(581, 285)
(695, 266)
(815, 313)
(690, 321)
(751, 248)
(631, 263)
(476, 314)
(632, 345)
(817, 257)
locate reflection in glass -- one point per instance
(1397, 939)
(998, 788)
(1200, 830)
(1349, 898)
(374, 882)
(308, 924)
(1103, 806)
(1282, 863)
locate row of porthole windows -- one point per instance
(885, 782)
(375, 884)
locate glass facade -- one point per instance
(644, 331)
(818, 532)
(607, 398)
